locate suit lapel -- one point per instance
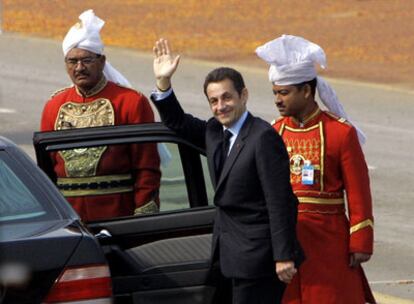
(236, 148)
(212, 146)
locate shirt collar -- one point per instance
(235, 128)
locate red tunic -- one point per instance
(115, 180)
(327, 235)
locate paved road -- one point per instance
(31, 69)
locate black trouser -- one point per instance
(257, 291)
(266, 290)
(248, 291)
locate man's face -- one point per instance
(226, 104)
(290, 100)
(84, 68)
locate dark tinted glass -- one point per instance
(20, 196)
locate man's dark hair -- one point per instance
(312, 83)
(224, 73)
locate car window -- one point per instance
(19, 199)
(132, 179)
(209, 185)
(173, 190)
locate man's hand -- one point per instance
(285, 271)
(164, 64)
(357, 258)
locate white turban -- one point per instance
(85, 35)
(292, 61)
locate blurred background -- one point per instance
(368, 40)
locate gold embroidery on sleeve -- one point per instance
(363, 224)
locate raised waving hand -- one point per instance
(165, 64)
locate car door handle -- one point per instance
(103, 234)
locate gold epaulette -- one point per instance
(276, 120)
(129, 88)
(340, 119)
(59, 91)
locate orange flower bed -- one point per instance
(369, 35)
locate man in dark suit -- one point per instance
(254, 235)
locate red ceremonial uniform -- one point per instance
(327, 235)
(108, 181)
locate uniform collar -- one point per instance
(95, 90)
(309, 120)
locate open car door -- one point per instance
(163, 257)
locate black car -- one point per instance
(154, 258)
(46, 254)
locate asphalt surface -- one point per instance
(32, 69)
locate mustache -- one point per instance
(81, 73)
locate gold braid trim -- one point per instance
(322, 137)
(92, 179)
(276, 120)
(150, 207)
(129, 88)
(321, 201)
(302, 130)
(319, 211)
(307, 119)
(282, 128)
(95, 90)
(59, 91)
(339, 119)
(363, 224)
(86, 186)
(75, 193)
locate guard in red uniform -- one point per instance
(329, 176)
(106, 181)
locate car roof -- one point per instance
(6, 143)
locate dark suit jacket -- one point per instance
(256, 207)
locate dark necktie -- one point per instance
(224, 150)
